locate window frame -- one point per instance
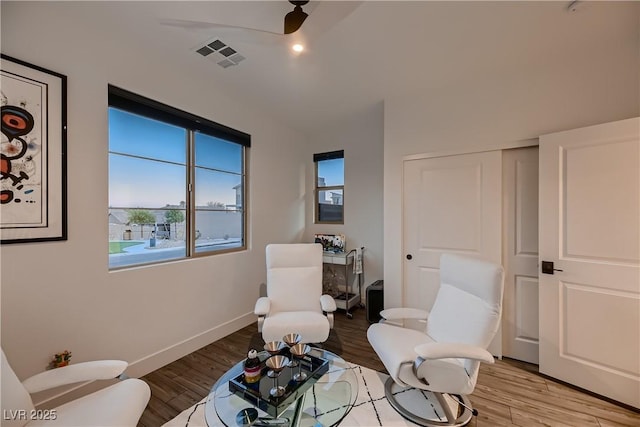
(139, 105)
(317, 158)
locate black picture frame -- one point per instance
(33, 172)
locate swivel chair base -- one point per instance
(447, 410)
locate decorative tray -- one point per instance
(258, 395)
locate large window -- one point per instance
(176, 183)
(329, 191)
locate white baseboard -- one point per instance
(152, 362)
(174, 352)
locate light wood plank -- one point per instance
(491, 412)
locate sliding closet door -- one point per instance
(450, 204)
(520, 254)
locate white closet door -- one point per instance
(590, 230)
(450, 204)
(520, 254)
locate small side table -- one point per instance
(340, 281)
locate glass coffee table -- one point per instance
(324, 401)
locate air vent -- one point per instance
(227, 51)
(219, 52)
(216, 45)
(225, 63)
(204, 51)
(237, 58)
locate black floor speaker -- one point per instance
(375, 301)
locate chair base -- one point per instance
(432, 410)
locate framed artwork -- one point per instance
(33, 199)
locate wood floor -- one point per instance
(508, 393)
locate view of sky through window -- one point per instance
(332, 171)
(159, 178)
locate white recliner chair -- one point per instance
(119, 405)
(294, 301)
(443, 359)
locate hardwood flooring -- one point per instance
(508, 393)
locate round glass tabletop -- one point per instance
(325, 403)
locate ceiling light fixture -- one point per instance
(297, 47)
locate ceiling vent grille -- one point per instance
(220, 53)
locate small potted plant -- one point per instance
(61, 359)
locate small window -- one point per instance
(329, 191)
(177, 183)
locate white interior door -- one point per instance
(520, 254)
(450, 204)
(590, 229)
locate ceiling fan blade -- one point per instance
(326, 15)
(293, 20)
(252, 35)
(203, 25)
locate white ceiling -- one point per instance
(380, 50)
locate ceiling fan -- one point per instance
(294, 19)
(322, 16)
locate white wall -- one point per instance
(564, 93)
(60, 295)
(361, 138)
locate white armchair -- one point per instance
(445, 358)
(294, 301)
(118, 405)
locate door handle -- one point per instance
(547, 267)
(409, 257)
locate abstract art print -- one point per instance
(32, 153)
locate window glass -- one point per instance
(219, 219)
(135, 182)
(218, 230)
(330, 206)
(329, 190)
(330, 172)
(156, 212)
(146, 237)
(140, 136)
(216, 153)
(217, 190)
